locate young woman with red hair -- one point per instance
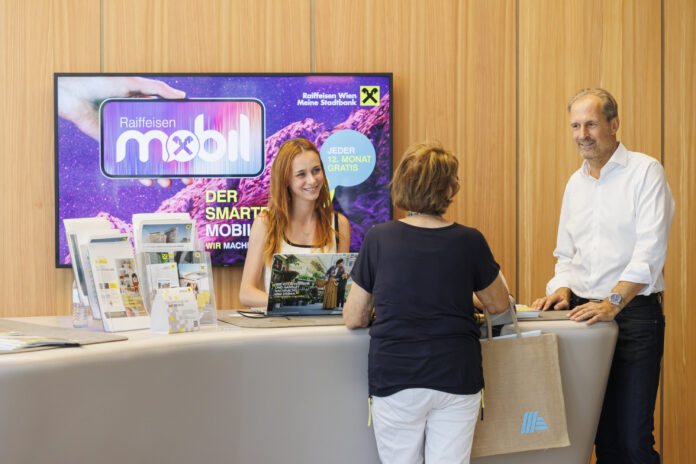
(299, 218)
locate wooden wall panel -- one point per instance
(680, 271)
(415, 41)
(564, 47)
(453, 65)
(208, 36)
(37, 38)
(486, 111)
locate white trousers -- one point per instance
(412, 419)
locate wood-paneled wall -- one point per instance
(490, 80)
(37, 38)
(679, 363)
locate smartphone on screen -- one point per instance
(188, 138)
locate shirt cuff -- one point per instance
(638, 273)
(555, 283)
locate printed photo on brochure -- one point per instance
(173, 236)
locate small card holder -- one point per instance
(174, 310)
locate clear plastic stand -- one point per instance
(80, 312)
(163, 270)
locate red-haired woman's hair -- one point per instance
(277, 214)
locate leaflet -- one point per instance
(16, 341)
(77, 231)
(174, 310)
(198, 278)
(164, 232)
(117, 284)
(163, 275)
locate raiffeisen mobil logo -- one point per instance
(182, 138)
(532, 421)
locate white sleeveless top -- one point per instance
(290, 248)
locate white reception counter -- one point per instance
(228, 395)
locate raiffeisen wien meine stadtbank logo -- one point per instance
(182, 138)
(369, 95)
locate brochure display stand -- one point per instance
(167, 282)
(177, 273)
(162, 270)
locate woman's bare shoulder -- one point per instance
(343, 222)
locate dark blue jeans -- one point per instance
(625, 432)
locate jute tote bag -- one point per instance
(523, 400)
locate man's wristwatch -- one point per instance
(616, 299)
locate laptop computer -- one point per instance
(309, 284)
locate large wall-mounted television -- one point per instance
(204, 143)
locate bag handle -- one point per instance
(513, 313)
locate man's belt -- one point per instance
(638, 300)
(645, 300)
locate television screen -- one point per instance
(203, 144)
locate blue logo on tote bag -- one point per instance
(532, 421)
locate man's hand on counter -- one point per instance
(558, 300)
(594, 311)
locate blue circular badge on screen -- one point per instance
(349, 158)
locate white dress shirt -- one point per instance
(614, 228)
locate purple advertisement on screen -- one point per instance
(204, 144)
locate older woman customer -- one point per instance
(425, 374)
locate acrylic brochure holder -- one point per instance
(175, 272)
(163, 270)
(77, 233)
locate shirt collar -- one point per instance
(619, 158)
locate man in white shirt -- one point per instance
(612, 242)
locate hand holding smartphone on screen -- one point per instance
(79, 98)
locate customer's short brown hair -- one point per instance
(426, 179)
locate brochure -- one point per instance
(16, 341)
(163, 275)
(198, 277)
(526, 312)
(175, 310)
(117, 283)
(76, 230)
(179, 269)
(83, 238)
(164, 232)
(173, 235)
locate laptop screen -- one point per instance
(310, 284)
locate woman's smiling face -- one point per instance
(306, 176)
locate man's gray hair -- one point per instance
(609, 106)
